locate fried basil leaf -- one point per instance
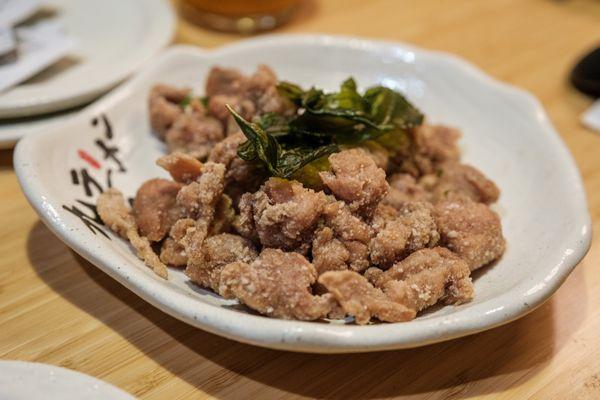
(323, 122)
(387, 106)
(281, 161)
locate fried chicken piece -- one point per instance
(403, 189)
(248, 95)
(454, 179)
(154, 208)
(172, 252)
(284, 214)
(223, 218)
(114, 212)
(241, 176)
(343, 242)
(216, 252)
(223, 81)
(164, 106)
(201, 199)
(277, 284)
(414, 228)
(328, 252)
(471, 230)
(431, 145)
(182, 167)
(424, 278)
(355, 179)
(244, 221)
(195, 134)
(261, 88)
(360, 299)
(217, 108)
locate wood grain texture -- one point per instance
(57, 308)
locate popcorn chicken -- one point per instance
(114, 212)
(343, 243)
(360, 299)
(284, 214)
(201, 200)
(471, 230)
(355, 179)
(424, 278)
(404, 189)
(155, 209)
(413, 229)
(194, 134)
(216, 252)
(461, 180)
(277, 284)
(164, 107)
(172, 252)
(182, 167)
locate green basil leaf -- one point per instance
(291, 91)
(266, 148)
(387, 106)
(293, 159)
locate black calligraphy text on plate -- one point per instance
(92, 187)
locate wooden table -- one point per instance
(57, 308)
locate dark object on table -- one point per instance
(586, 74)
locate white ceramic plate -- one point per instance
(21, 380)
(113, 38)
(506, 134)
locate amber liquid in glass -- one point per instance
(244, 16)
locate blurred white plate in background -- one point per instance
(113, 38)
(11, 130)
(21, 380)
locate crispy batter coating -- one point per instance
(244, 221)
(218, 251)
(223, 81)
(424, 278)
(403, 189)
(223, 218)
(241, 176)
(284, 214)
(360, 299)
(431, 145)
(114, 212)
(328, 252)
(172, 252)
(248, 95)
(207, 192)
(277, 284)
(164, 108)
(414, 228)
(454, 179)
(343, 242)
(182, 167)
(472, 230)
(355, 179)
(154, 208)
(217, 108)
(194, 134)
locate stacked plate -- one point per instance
(111, 39)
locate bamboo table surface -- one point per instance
(56, 308)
